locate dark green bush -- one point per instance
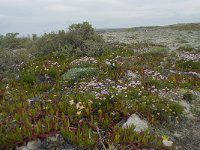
(53, 73)
(10, 61)
(189, 65)
(185, 48)
(80, 40)
(28, 78)
(158, 83)
(188, 96)
(77, 73)
(84, 40)
(157, 52)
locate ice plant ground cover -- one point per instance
(77, 109)
(89, 100)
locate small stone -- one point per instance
(47, 77)
(176, 134)
(53, 138)
(134, 119)
(34, 145)
(31, 101)
(131, 75)
(22, 148)
(167, 143)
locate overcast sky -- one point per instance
(39, 16)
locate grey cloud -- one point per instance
(38, 16)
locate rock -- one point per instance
(131, 75)
(108, 63)
(17, 77)
(52, 139)
(134, 119)
(31, 101)
(55, 138)
(22, 148)
(47, 77)
(34, 145)
(176, 134)
(167, 143)
(55, 142)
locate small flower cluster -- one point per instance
(164, 92)
(114, 62)
(141, 50)
(18, 65)
(155, 74)
(84, 60)
(167, 93)
(189, 56)
(50, 64)
(79, 106)
(107, 87)
(152, 89)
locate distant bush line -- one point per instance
(79, 40)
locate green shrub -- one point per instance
(80, 40)
(189, 65)
(162, 109)
(177, 108)
(157, 51)
(10, 62)
(28, 78)
(186, 48)
(154, 55)
(158, 83)
(84, 40)
(77, 73)
(63, 52)
(188, 96)
(53, 73)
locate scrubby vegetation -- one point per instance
(79, 40)
(75, 84)
(187, 27)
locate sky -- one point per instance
(40, 16)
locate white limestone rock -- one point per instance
(34, 145)
(22, 148)
(134, 119)
(167, 143)
(131, 75)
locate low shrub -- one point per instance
(53, 73)
(188, 96)
(189, 65)
(157, 52)
(77, 73)
(80, 40)
(185, 48)
(158, 83)
(28, 78)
